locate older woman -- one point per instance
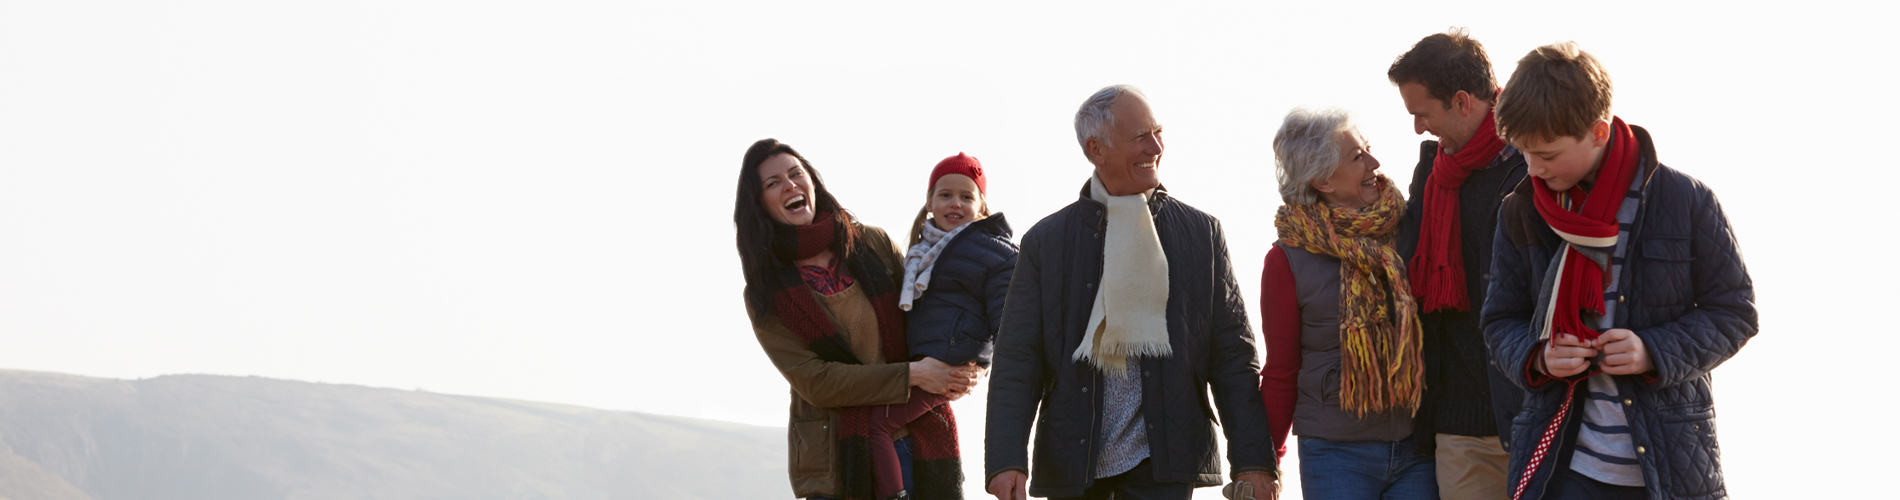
(1343, 362)
(821, 291)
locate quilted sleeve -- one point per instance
(1723, 317)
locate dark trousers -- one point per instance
(886, 420)
(1136, 484)
(1569, 485)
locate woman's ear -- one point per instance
(1323, 184)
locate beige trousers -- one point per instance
(1471, 468)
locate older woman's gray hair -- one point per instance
(1094, 118)
(1307, 149)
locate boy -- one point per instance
(1617, 289)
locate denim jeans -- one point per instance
(903, 460)
(1366, 470)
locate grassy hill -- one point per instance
(202, 437)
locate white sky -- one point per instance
(533, 199)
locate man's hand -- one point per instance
(1566, 355)
(1265, 487)
(1010, 485)
(1624, 353)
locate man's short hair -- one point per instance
(1557, 91)
(1094, 119)
(1446, 63)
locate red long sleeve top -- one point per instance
(1280, 324)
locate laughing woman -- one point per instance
(1343, 364)
(821, 292)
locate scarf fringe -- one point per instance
(1381, 360)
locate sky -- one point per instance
(533, 200)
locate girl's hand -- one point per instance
(1624, 353)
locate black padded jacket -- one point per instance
(956, 319)
(1690, 300)
(1037, 380)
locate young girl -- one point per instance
(955, 277)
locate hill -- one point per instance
(203, 437)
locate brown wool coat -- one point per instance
(820, 388)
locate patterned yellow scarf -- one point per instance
(1381, 368)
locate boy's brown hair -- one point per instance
(1557, 91)
(1446, 63)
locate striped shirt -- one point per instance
(1605, 451)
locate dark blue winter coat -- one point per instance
(956, 319)
(1038, 380)
(1688, 297)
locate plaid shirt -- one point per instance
(828, 279)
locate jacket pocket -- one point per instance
(1686, 452)
(811, 448)
(1664, 279)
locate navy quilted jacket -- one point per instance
(1037, 379)
(956, 319)
(1688, 297)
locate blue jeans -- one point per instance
(903, 461)
(1366, 470)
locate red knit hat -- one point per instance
(959, 164)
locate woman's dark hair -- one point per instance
(761, 238)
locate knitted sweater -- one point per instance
(1461, 396)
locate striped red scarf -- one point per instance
(1592, 224)
(1588, 223)
(936, 464)
(1438, 267)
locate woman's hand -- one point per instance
(1566, 355)
(937, 377)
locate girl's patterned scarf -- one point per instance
(1381, 367)
(1438, 267)
(921, 259)
(936, 464)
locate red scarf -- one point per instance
(1591, 223)
(1438, 266)
(935, 460)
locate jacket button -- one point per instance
(1627, 402)
(1098, 235)
(1082, 441)
(1085, 389)
(1640, 450)
(1089, 286)
(1619, 297)
(1695, 427)
(1098, 213)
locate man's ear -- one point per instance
(1600, 133)
(1462, 103)
(1094, 150)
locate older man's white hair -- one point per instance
(1307, 149)
(1094, 119)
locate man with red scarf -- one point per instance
(1616, 289)
(1446, 83)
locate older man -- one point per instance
(1446, 84)
(1122, 312)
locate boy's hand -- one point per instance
(1624, 353)
(1566, 355)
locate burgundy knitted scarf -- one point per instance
(936, 463)
(1438, 266)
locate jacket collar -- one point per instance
(1154, 201)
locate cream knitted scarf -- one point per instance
(1130, 316)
